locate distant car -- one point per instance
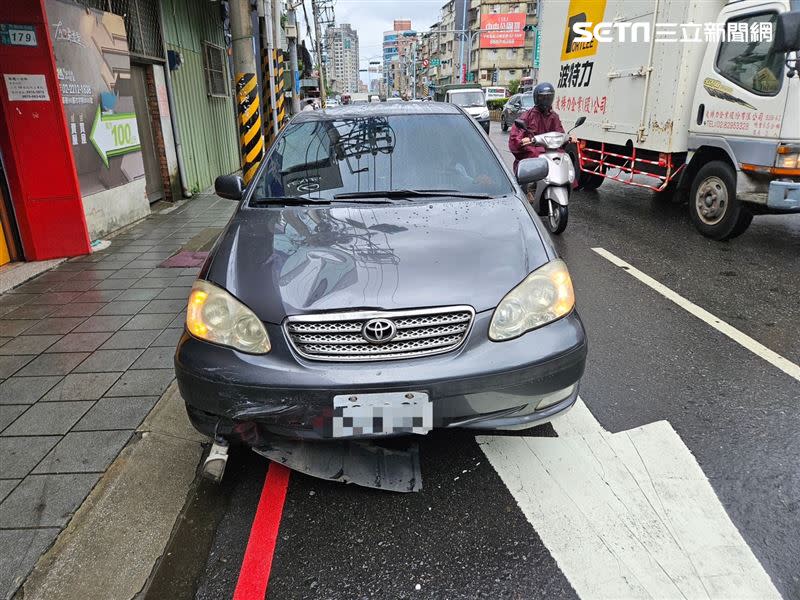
(374, 98)
(383, 274)
(331, 103)
(514, 108)
(394, 100)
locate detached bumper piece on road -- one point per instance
(367, 465)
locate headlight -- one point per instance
(787, 161)
(555, 141)
(484, 115)
(544, 296)
(217, 317)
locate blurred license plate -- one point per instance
(378, 414)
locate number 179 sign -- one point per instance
(12, 34)
(114, 134)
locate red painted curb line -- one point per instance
(257, 561)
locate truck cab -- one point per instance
(745, 122)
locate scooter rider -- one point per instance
(540, 119)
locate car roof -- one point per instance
(381, 109)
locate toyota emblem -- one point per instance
(379, 331)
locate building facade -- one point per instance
(491, 63)
(342, 50)
(395, 50)
(90, 112)
(458, 52)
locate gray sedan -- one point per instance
(372, 285)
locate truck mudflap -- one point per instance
(784, 196)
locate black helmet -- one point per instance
(543, 95)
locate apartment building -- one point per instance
(341, 42)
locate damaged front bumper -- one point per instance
(484, 385)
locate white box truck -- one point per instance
(696, 99)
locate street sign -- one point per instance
(426, 63)
(114, 134)
(537, 47)
(17, 35)
(436, 62)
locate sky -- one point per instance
(372, 17)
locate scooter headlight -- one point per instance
(215, 316)
(544, 296)
(555, 141)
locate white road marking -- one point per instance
(775, 359)
(627, 515)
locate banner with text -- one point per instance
(504, 30)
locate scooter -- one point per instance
(555, 189)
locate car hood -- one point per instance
(475, 111)
(293, 260)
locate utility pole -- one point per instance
(318, 34)
(536, 44)
(414, 58)
(291, 35)
(277, 61)
(268, 74)
(251, 139)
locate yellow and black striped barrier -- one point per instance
(250, 136)
(280, 97)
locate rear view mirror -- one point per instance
(530, 170)
(581, 120)
(229, 186)
(787, 32)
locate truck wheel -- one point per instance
(586, 181)
(713, 206)
(670, 194)
(590, 182)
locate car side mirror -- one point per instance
(530, 170)
(787, 32)
(520, 123)
(229, 186)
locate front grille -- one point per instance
(339, 337)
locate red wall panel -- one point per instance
(36, 148)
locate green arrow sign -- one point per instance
(114, 135)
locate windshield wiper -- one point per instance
(304, 200)
(409, 194)
(287, 200)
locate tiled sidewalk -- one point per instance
(85, 352)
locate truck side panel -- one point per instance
(607, 81)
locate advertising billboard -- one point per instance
(93, 64)
(505, 30)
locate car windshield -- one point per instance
(467, 99)
(322, 159)
(527, 100)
